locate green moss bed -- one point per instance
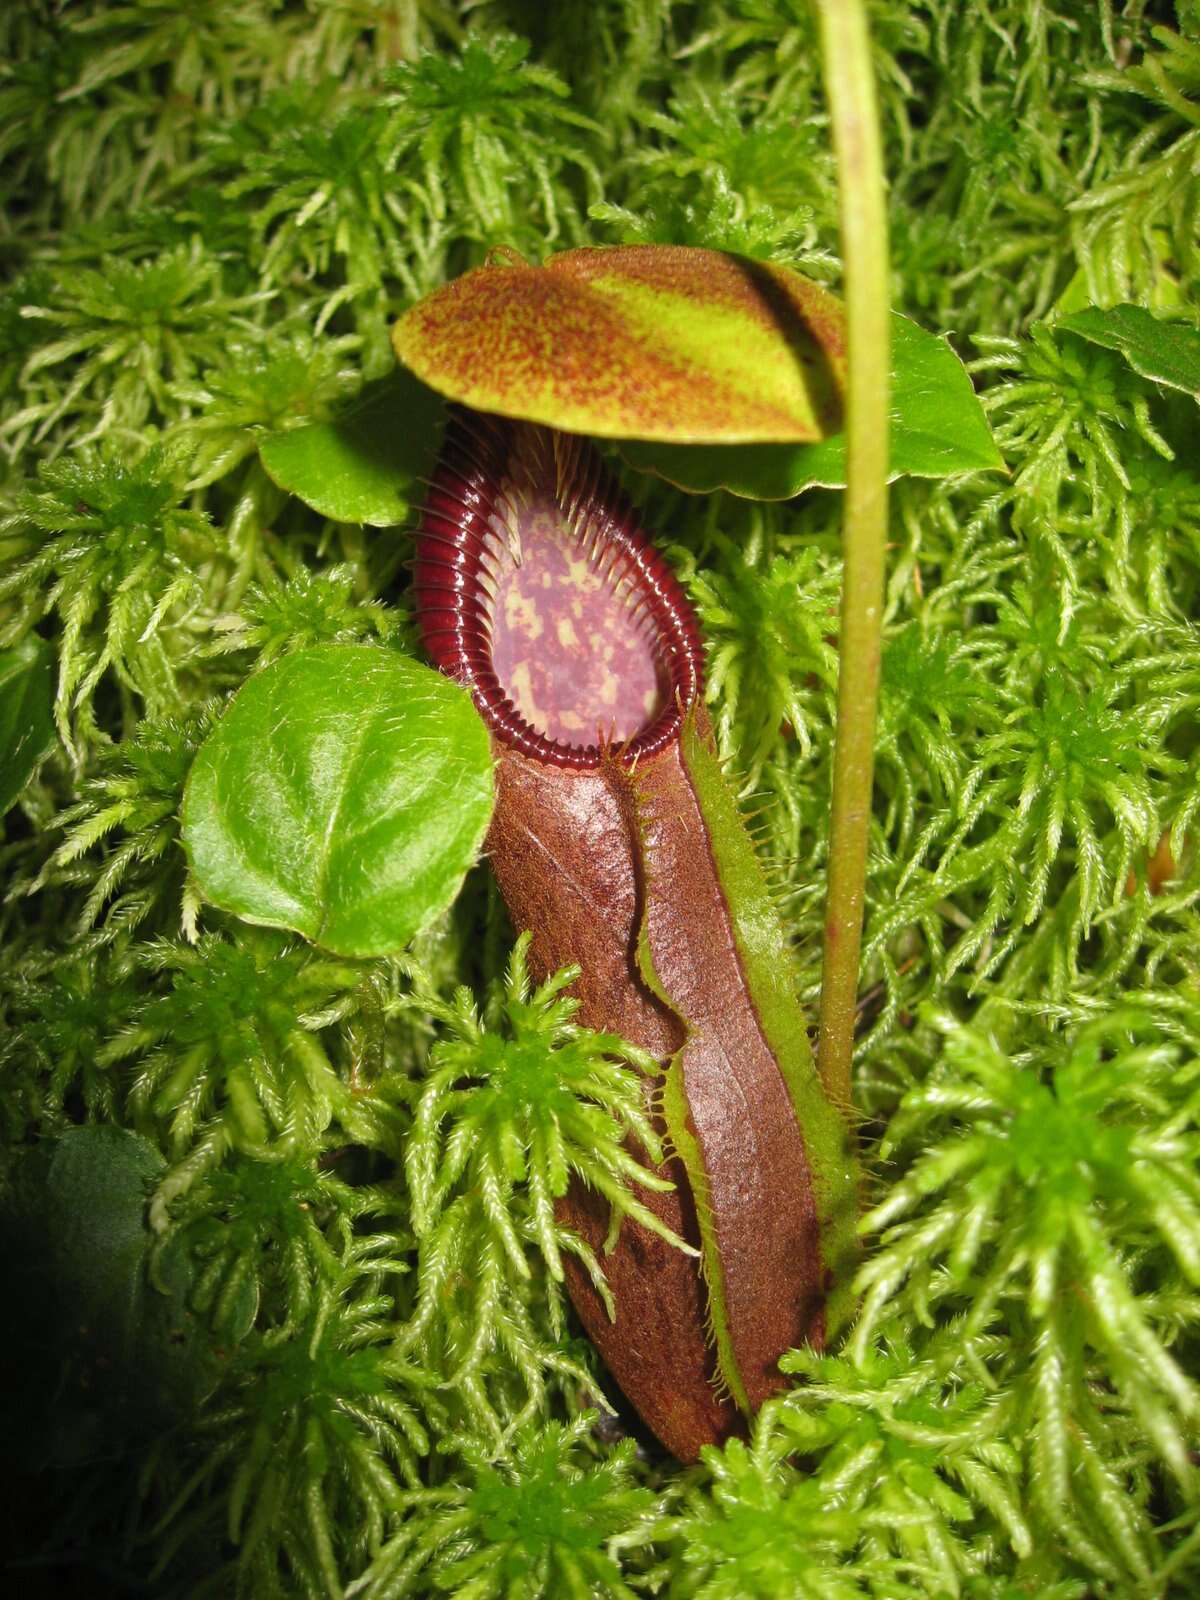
(283, 1313)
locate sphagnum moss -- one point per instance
(210, 219)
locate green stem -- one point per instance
(850, 89)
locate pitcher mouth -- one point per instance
(537, 589)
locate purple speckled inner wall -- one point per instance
(569, 646)
(536, 587)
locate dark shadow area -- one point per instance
(797, 334)
(97, 1367)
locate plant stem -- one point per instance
(850, 88)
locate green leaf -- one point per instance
(649, 341)
(96, 1190)
(344, 794)
(938, 429)
(125, 1352)
(1164, 352)
(361, 467)
(26, 713)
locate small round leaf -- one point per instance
(362, 466)
(1166, 352)
(344, 793)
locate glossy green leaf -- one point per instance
(362, 466)
(26, 713)
(344, 794)
(648, 341)
(1164, 352)
(938, 429)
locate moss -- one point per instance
(212, 214)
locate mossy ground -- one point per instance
(212, 213)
